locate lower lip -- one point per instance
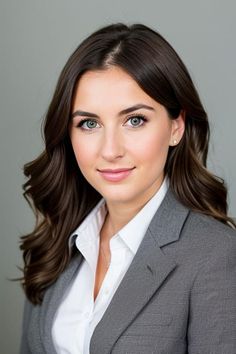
(115, 176)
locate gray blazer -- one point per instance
(177, 297)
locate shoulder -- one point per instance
(208, 238)
(204, 227)
(196, 238)
(193, 230)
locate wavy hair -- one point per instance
(56, 189)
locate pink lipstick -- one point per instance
(115, 175)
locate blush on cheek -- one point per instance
(154, 145)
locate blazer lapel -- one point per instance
(52, 300)
(148, 270)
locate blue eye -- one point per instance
(137, 120)
(87, 124)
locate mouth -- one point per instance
(115, 175)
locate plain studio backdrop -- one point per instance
(36, 39)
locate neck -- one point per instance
(116, 219)
(120, 213)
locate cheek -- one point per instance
(84, 153)
(153, 148)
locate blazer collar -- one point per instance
(148, 270)
(169, 219)
(52, 300)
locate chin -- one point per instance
(120, 197)
(116, 197)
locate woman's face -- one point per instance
(121, 136)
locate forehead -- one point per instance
(112, 85)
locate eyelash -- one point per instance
(140, 116)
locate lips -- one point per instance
(115, 175)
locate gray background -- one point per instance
(36, 39)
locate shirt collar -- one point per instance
(131, 234)
(93, 223)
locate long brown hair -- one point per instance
(57, 191)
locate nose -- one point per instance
(112, 146)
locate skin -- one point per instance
(113, 140)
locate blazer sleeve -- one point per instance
(212, 321)
(24, 348)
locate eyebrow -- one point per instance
(124, 111)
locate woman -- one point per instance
(133, 251)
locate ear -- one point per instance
(177, 129)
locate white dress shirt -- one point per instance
(78, 313)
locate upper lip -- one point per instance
(109, 170)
